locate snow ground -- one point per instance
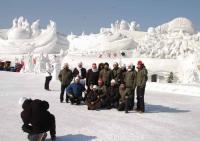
(168, 117)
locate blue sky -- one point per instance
(89, 15)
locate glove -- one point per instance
(27, 128)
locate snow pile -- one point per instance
(25, 38)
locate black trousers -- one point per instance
(140, 99)
(63, 87)
(74, 99)
(131, 98)
(47, 81)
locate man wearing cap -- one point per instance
(106, 75)
(37, 119)
(141, 80)
(75, 90)
(130, 82)
(65, 76)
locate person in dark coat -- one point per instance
(37, 120)
(123, 73)
(92, 76)
(130, 82)
(141, 80)
(81, 72)
(116, 73)
(113, 94)
(103, 94)
(65, 76)
(123, 98)
(100, 66)
(75, 90)
(106, 75)
(92, 99)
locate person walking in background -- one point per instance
(49, 70)
(65, 76)
(141, 80)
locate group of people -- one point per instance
(103, 87)
(98, 88)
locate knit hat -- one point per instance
(139, 62)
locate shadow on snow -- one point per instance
(77, 137)
(162, 109)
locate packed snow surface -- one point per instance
(168, 117)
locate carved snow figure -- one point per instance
(57, 67)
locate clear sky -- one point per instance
(89, 15)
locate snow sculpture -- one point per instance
(35, 27)
(56, 67)
(124, 25)
(20, 29)
(134, 26)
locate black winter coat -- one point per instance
(83, 73)
(35, 113)
(92, 77)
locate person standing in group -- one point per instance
(80, 71)
(130, 82)
(116, 73)
(106, 75)
(123, 73)
(49, 70)
(65, 76)
(100, 66)
(141, 80)
(92, 76)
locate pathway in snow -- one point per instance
(168, 117)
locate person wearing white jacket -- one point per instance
(49, 70)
